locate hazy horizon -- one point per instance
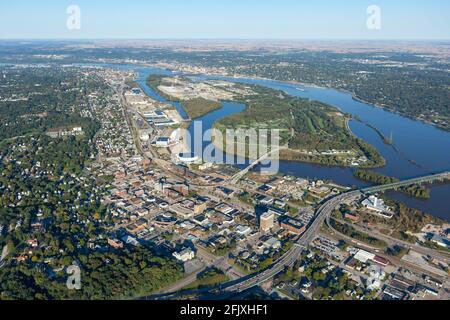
(225, 39)
(416, 20)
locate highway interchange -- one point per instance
(322, 216)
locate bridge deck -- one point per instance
(405, 183)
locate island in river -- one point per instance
(310, 131)
(418, 148)
(195, 106)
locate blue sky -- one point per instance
(231, 19)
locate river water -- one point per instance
(418, 148)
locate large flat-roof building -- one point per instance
(162, 142)
(266, 221)
(375, 204)
(184, 255)
(293, 226)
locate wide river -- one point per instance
(418, 148)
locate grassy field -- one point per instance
(359, 236)
(195, 108)
(208, 278)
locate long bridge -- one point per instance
(323, 214)
(238, 176)
(396, 185)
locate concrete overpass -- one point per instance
(238, 176)
(289, 258)
(323, 215)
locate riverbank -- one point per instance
(312, 124)
(285, 154)
(314, 132)
(416, 191)
(353, 95)
(195, 108)
(418, 142)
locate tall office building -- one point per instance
(266, 221)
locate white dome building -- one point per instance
(187, 158)
(145, 137)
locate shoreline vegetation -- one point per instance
(353, 95)
(416, 191)
(194, 108)
(387, 140)
(412, 104)
(306, 123)
(197, 108)
(405, 223)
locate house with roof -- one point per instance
(184, 255)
